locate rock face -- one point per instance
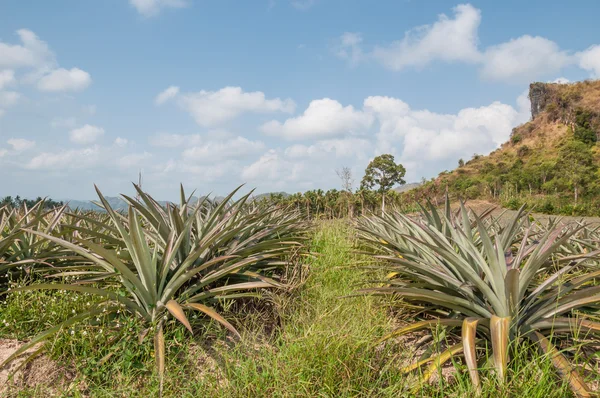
(539, 95)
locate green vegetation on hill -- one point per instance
(550, 163)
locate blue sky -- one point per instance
(273, 93)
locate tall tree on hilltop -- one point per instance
(384, 173)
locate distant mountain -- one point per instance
(118, 203)
(407, 187)
(269, 194)
(551, 162)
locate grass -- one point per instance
(312, 342)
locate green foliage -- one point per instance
(158, 264)
(18, 202)
(516, 138)
(383, 173)
(501, 285)
(523, 150)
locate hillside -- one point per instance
(550, 163)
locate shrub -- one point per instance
(523, 151)
(499, 285)
(513, 203)
(156, 263)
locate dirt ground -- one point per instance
(22, 373)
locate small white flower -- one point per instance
(72, 332)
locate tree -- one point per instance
(577, 166)
(345, 175)
(461, 163)
(384, 173)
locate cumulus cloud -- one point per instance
(62, 79)
(350, 148)
(121, 142)
(20, 144)
(63, 122)
(86, 134)
(448, 39)
(167, 140)
(32, 52)
(67, 159)
(7, 78)
(9, 98)
(323, 118)
(210, 108)
(455, 39)
(429, 141)
(150, 8)
(590, 60)
(214, 151)
(166, 95)
(524, 59)
(349, 47)
(274, 167)
(37, 65)
(133, 160)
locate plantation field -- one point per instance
(311, 342)
(251, 300)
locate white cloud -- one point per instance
(448, 39)
(427, 141)
(20, 144)
(353, 148)
(323, 118)
(524, 59)
(86, 134)
(61, 160)
(63, 122)
(9, 98)
(133, 160)
(7, 78)
(274, 167)
(150, 8)
(65, 80)
(214, 151)
(561, 80)
(209, 108)
(349, 47)
(121, 142)
(166, 140)
(590, 60)
(32, 53)
(166, 95)
(455, 39)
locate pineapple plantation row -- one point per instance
(303, 308)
